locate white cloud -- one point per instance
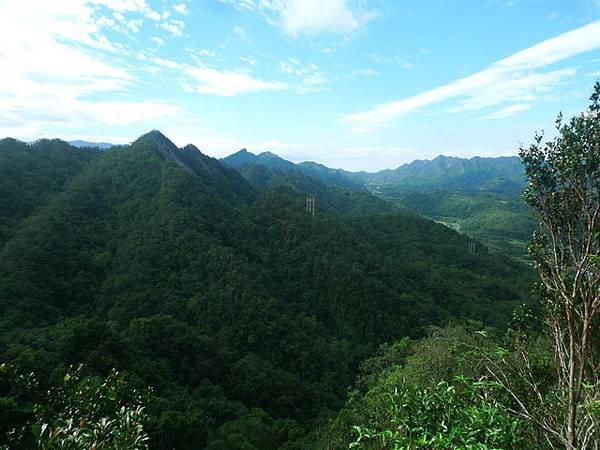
(181, 8)
(365, 72)
(316, 16)
(512, 79)
(241, 32)
(393, 60)
(508, 111)
(158, 41)
(135, 25)
(241, 5)
(58, 60)
(122, 5)
(169, 63)
(310, 78)
(309, 17)
(153, 15)
(227, 83)
(249, 60)
(175, 27)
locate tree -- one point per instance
(81, 412)
(564, 190)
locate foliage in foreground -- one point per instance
(462, 414)
(82, 412)
(434, 394)
(564, 192)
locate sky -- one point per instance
(355, 84)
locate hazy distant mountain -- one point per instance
(83, 144)
(498, 175)
(266, 159)
(278, 168)
(476, 174)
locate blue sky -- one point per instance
(365, 84)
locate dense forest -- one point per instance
(243, 319)
(478, 197)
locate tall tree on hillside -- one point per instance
(564, 190)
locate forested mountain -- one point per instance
(479, 197)
(269, 169)
(498, 175)
(246, 315)
(266, 159)
(30, 175)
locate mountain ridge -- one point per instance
(238, 307)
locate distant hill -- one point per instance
(278, 168)
(498, 175)
(247, 315)
(88, 144)
(480, 197)
(266, 159)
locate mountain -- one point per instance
(497, 175)
(253, 167)
(266, 159)
(30, 175)
(246, 315)
(480, 197)
(88, 144)
(333, 177)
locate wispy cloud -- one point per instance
(309, 77)
(516, 78)
(403, 62)
(181, 8)
(365, 72)
(158, 41)
(241, 32)
(60, 62)
(507, 111)
(309, 17)
(174, 26)
(227, 83)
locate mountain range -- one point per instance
(247, 315)
(480, 197)
(89, 144)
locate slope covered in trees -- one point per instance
(247, 316)
(499, 175)
(31, 174)
(465, 388)
(478, 197)
(273, 168)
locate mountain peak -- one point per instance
(155, 137)
(192, 147)
(270, 155)
(239, 158)
(243, 152)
